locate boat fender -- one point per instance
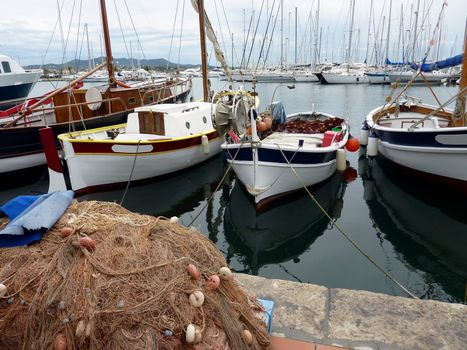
(364, 134)
(352, 144)
(341, 162)
(205, 144)
(372, 148)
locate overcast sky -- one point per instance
(33, 31)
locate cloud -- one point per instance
(32, 23)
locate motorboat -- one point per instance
(15, 82)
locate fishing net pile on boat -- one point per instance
(121, 280)
(302, 126)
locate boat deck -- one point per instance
(292, 140)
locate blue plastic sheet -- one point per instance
(31, 216)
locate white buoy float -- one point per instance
(205, 144)
(372, 148)
(190, 333)
(341, 162)
(174, 220)
(364, 134)
(196, 298)
(3, 290)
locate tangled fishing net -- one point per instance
(131, 290)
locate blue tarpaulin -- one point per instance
(31, 216)
(429, 67)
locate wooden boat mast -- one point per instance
(108, 48)
(460, 117)
(202, 35)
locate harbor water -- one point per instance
(415, 232)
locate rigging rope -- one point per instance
(334, 222)
(172, 38)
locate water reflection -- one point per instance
(175, 194)
(280, 233)
(427, 228)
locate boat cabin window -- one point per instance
(151, 123)
(131, 101)
(6, 67)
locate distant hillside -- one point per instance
(154, 63)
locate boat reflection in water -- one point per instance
(282, 232)
(175, 194)
(427, 228)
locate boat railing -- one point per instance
(159, 89)
(45, 111)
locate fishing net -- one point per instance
(132, 291)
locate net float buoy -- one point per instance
(174, 220)
(71, 220)
(352, 144)
(225, 273)
(60, 342)
(3, 290)
(261, 126)
(190, 333)
(87, 242)
(196, 298)
(247, 336)
(66, 231)
(268, 121)
(193, 271)
(213, 282)
(198, 335)
(80, 329)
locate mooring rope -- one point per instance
(131, 173)
(346, 235)
(219, 184)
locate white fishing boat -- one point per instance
(299, 150)
(156, 140)
(15, 82)
(431, 140)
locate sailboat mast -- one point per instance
(108, 48)
(368, 34)
(89, 49)
(415, 31)
(202, 36)
(350, 33)
(460, 117)
(389, 32)
(295, 35)
(282, 34)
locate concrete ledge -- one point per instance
(360, 319)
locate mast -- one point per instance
(459, 116)
(316, 56)
(89, 49)
(295, 35)
(350, 33)
(368, 36)
(108, 48)
(282, 34)
(202, 36)
(415, 31)
(389, 32)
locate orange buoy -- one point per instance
(352, 144)
(66, 231)
(87, 242)
(213, 282)
(193, 271)
(268, 122)
(261, 126)
(248, 130)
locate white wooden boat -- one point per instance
(264, 164)
(156, 140)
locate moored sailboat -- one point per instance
(427, 139)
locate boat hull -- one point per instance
(267, 175)
(332, 78)
(124, 161)
(21, 147)
(378, 78)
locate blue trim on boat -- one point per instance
(275, 156)
(418, 139)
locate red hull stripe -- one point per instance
(159, 146)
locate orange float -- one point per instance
(352, 144)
